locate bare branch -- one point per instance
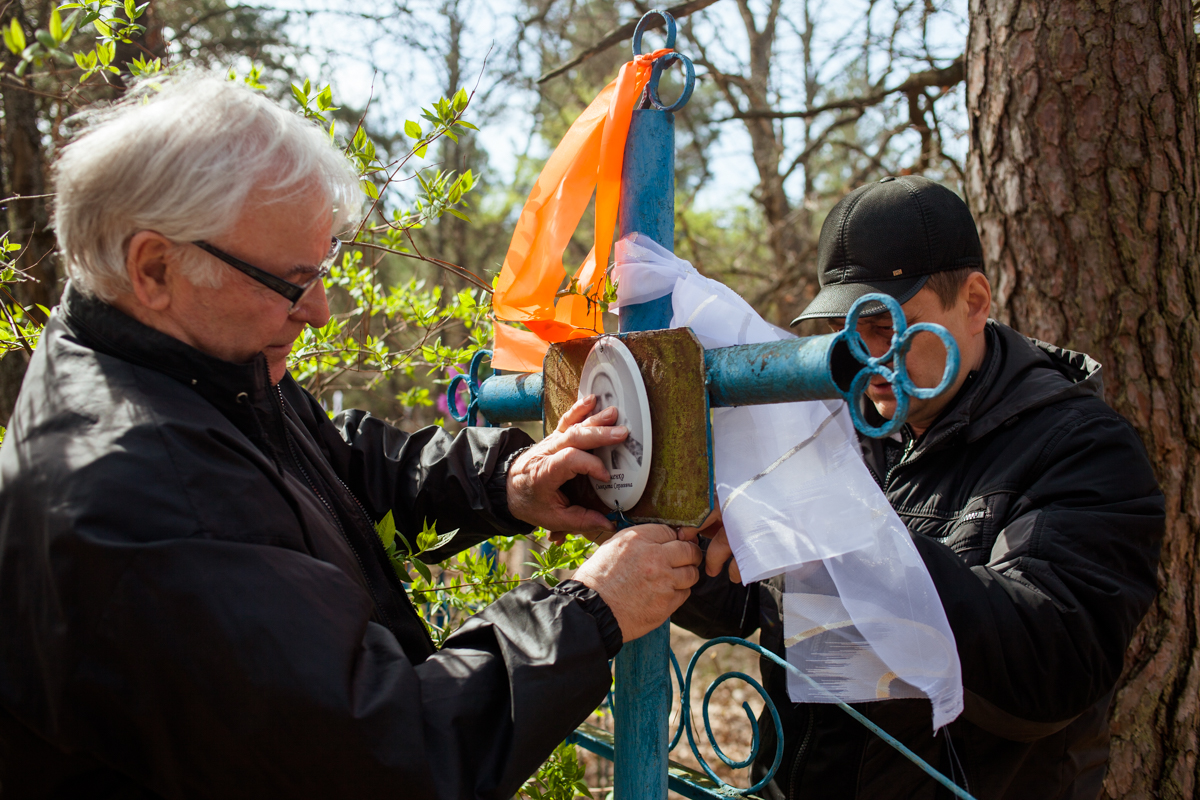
(622, 33)
(948, 76)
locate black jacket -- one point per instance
(1035, 508)
(194, 601)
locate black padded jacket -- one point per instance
(1036, 510)
(194, 601)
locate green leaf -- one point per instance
(300, 95)
(14, 38)
(56, 26)
(458, 214)
(386, 528)
(102, 27)
(420, 151)
(69, 28)
(325, 99)
(422, 568)
(252, 78)
(130, 10)
(460, 99)
(401, 572)
(466, 124)
(141, 67)
(369, 189)
(411, 128)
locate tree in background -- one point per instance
(826, 98)
(1082, 176)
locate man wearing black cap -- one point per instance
(1032, 503)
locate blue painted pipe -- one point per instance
(516, 397)
(744, 375)
(642, 669)
(772, 372)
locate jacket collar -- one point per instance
(1019, 374)
(1029, 374)
(232, 388)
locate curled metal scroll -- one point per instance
(725, 788)
(685, 721)
(471, 380)
(660, 64)
(897, 375)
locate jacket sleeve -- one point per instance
(1043, 626)
(231, 670)
(428, 476)
(718, 606)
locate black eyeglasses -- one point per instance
(294, 292)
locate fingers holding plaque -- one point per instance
(611, 373)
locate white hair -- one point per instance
(180, 155)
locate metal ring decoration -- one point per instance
(644, 24)
(957, 790)
(685, 721)
(471, 379)
(689, 81)
(897, 375)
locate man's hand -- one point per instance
(535, 479)
(643, 573)
(719, 550)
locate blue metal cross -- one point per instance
(832, 366)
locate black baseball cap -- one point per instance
(889, 237)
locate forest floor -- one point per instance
(730, 726)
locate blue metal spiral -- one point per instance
(897, 375)
(685, 720)
(471, 379)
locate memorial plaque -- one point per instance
(678, 488)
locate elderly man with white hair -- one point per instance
(194, 599)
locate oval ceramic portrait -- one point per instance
(613, 376)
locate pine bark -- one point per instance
(1082, 177)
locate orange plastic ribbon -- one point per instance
(588, 158)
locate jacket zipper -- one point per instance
(333, 514)
(800, 754)
(406, 601)
(909, 444)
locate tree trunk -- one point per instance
(1082, 177)
(24, 173)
